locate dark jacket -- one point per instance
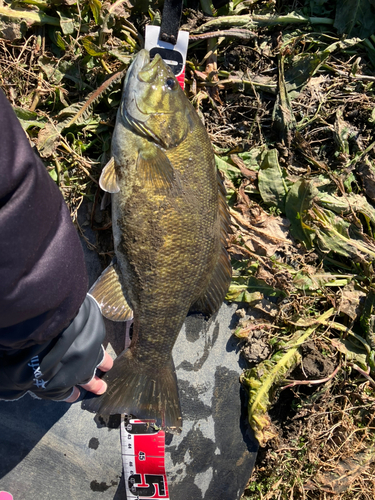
(43, 279)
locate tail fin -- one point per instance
(146, 392)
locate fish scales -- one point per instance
(167, 228)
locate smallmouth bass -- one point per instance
(170, 224)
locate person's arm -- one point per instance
(50, 332)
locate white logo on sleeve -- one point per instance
(35, 365)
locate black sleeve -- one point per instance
(49, 371)
(50, 331)
(43, 279)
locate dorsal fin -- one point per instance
(108, 293)
(108, 178)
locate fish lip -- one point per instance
(149, 65)
(129, 87)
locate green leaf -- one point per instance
(25, 114)
(351, 352)
(348, 204)
(31, 17)
(57, 38)
(282, 115)
(263, 380)
(335, 234)
(230, 171)
(253, 158)
(355, 17)
(122, 57)
(297, 205)
(312, 281)
(302, 69)
(92, 49)
(96, 7)
(78, 113)
(272, 181)
(243, 290)
(66, 23)
(53, 174)
(50, 68)
(48, 140)
(237, 293)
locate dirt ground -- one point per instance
(286, 92)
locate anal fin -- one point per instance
(109, 295)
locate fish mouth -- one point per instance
(129, 106)
(148, 73)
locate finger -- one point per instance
(107, 363)
(96, 386)
(74, 396)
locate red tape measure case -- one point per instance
(143, 460)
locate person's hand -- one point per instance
(96, 385)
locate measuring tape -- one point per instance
(142, 448)
(173, 55)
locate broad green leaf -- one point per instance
(253, 158)
(96, 7)
(297, 204)
(92, 49)
(230, 171)
(53, 174)
(237, 293)
(312, 281)
(30, 16)
(351, 352)
(272, 182)
(66, 23)
(56, 37)
(355, 17)
(48, 140)
(348, 204)
(342, 44)
(334, 234)
(243, 290)
(262, 381)
(78, 113)
(302, 69)
(27, 118)
(50, 68)
(25, 114)
(123, 57)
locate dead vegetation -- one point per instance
(286, 91)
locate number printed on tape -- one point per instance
(143, 460)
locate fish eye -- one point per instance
(170, 83)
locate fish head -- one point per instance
(153, 102)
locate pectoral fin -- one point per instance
(109, 295)
(108, 178)
(155, 170)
